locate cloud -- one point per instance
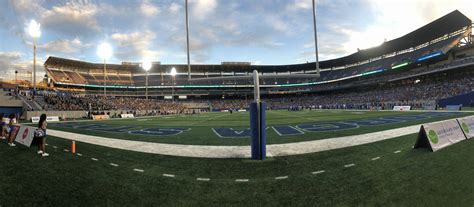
(297, 5)
(174, 8)
(14, 61)
(148, 9)
(64, 46)
(72, 18)
(200, 9)
(136, 46)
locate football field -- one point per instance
(220, 128)
(388, 172)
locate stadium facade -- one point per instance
(437, 50)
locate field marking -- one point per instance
(138, 170)
(79, 154)
(375, 158)
(226, 137)
(168, 175)
(241, 180)
(212, 151)
(281, 177)
(192, 124)
(66, 150)
(95, 159)
(203, 179)
(55, 147)
(113, 164)
(398, 151)
(294, 116)
(349, 165)
(281, 135)
(318, 172)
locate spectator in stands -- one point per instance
(40, 136)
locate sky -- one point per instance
(263, 32)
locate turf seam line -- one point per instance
(281, 177)
(241, 180)
(318, 172)
(138, 170)
(375, 158)
(350, 165)
(203, 179)
(169, 175)
(113, 164)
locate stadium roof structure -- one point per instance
(447, 24)
(451, 22)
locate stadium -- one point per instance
(387, 125)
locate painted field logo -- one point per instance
(465, 127)
(433, 136)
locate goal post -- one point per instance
(257, 122)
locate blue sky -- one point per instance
(257, 31)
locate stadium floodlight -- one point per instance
(146, 65)
(173, 74)
(104, 51)
(34, 29)
(35, 32)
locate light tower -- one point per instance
(173, 75)
(146, 65)
(35, 32)
(104, 51)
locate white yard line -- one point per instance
(201, 121)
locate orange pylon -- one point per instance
(73, 147)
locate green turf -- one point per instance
(201, 133)
(409, 178)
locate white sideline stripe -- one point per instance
(241, 180)
(66, 150)
(113, 164)
(276, 150)
(138, 170)
(169, 175)
(95, 159)
(350, 165)
(203, 179)
(281, 178)
(375, 158)
(397, 151)
(79, 154)
(318, 172)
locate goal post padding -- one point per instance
(258, 130)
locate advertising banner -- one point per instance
(100, 117)
(467, 126)
(36, 119)
(25, 135)
(401, 108)
(126, 116)
(436, 136)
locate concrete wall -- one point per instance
(9, 101)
